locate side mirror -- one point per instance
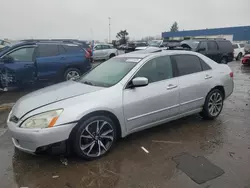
(139, 82)
(161, 46)
(201, 49)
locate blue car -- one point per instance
(28, 63)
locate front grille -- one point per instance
(14, 119)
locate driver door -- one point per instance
(159, 100)
(19, 69)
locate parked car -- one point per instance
(104, 52)
(123, 95)
(122, 47)
(31, 62)
(4, 43)
(247, 49)
(156, 43)
(246, 60)
(238, 50)
(132, 46)
(219, 50)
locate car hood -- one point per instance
(50, 95)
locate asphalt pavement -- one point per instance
(189, 152)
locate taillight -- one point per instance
(231, 74)
(87, 55)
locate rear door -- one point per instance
(213, 51)
(106, 51)
(194, 83)
(20, 69)
(48, 62)
(226, 49)
(74, 56)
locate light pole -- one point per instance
(109, 28)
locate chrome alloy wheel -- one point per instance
(96, 138)
(215, 104)
(72, 75)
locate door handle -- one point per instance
(208, 77)
(171, 86)
(62, 58)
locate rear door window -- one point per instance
(105, 47)
(204, 65)
(212, 45)
(187, 64)
(203, 45)
(225, 46)
(47, 50)
(72, 48)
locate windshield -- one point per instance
(155, 43)
(110, 72)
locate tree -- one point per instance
(122, 36)
(174, 27)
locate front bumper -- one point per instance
(29, 140)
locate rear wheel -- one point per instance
(239, 56)
(72, 74)
(213, 104)
(94, 137)
(223, 60)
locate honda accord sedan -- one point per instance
(123, 95)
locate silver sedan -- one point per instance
(123, 95)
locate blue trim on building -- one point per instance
(241, 33)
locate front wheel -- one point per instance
(213, 104)
(94, 137)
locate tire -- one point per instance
(72, 71)
(111, 56)
(88, 143)
(207, 112)
(223, 60)
(239, 57)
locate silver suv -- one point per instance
(104, 52)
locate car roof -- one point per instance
(163, 52)
(30, 43)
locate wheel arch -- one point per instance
(112, 55)
(96, 113)
(221, 88)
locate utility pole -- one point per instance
(109, 29)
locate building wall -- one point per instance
(241, 33)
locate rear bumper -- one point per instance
(32, 140)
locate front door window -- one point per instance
(23, 54)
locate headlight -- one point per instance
(43, 120)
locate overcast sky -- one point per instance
(89, 19)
